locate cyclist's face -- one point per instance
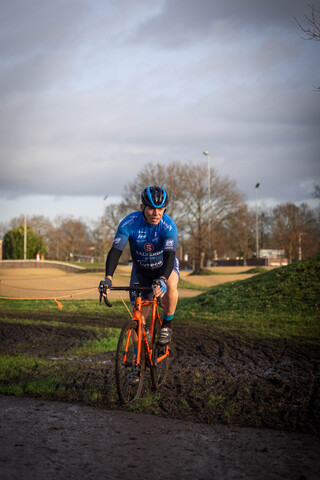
(153, 215)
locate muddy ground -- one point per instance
(213, 377)
(217, 384)
(59, 441)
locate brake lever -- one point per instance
(106, 301)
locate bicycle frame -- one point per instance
(134, 351)
(137, 316)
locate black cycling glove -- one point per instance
(105, 284)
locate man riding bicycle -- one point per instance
(153, 237)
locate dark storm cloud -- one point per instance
(32, 26)
(185, 21)
(91, 91)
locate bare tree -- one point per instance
(70, 236)
(316, 192)
(311, 27)
(236, 238)
(312, 24)
(292, 225)
(194, 213)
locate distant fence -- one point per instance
(40, 264)
(251, 262)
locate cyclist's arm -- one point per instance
(168, 262)
(119, 243)
(112, 261)
(169, 248)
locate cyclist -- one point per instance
(152, 236)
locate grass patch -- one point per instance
(203, 272)
(283, 302)
(22, 375)
(255, 270)
(147, 403)
(87, 308)
(97, 347)
(215, 401)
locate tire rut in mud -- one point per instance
(213, 377)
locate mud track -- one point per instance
(213, 377)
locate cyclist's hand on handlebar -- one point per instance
(104, 289)
(159, 287)
(104, 286)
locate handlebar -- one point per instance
(135, 288)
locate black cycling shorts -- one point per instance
(145, 278)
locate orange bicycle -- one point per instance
(138, 347)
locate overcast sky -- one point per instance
(93, 90)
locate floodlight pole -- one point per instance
(207, 154)
(25, 239)
(257, 223)
(104, 228)
(299, 245)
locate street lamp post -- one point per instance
(25, 238)
(257, 224)
(104, 228)
(207, 154)
(299, 245)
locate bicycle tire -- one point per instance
(128, 389)
(159, 369)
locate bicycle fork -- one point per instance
(141, 336)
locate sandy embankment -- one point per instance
(52, 282)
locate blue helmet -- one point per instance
(154, 197)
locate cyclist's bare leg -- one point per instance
(170, 299)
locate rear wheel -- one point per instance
(160, 363)
(129, 377)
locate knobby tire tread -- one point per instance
(126, 395)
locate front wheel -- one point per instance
(129, 376)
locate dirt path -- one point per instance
(52, 440)
(52, 282)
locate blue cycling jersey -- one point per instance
(147, 242)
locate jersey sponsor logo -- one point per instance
(149, 254)
(130, 221)
(169, 243)
(151, 266)
(148, 247)
(116, 241)
(167, 226)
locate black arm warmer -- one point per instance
(112, 260)
(168, 262)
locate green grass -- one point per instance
(70, 308)
(294, 288)
(203, 272)
(254, 270)
(28, 375)
(106, 344)
(283, 302)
